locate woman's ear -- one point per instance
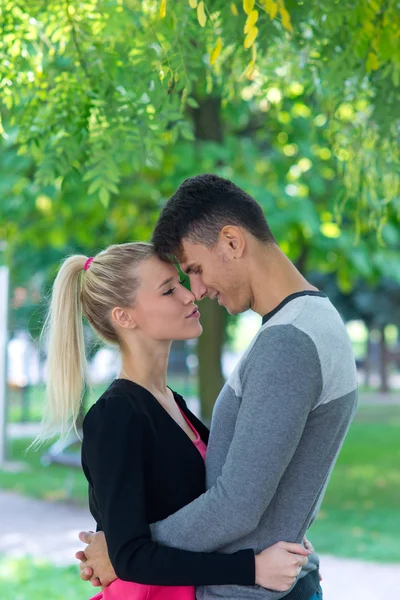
(123, 317)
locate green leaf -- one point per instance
(104, 196)
(192, 102)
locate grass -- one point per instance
(23, 579)
(359, 515)
(24, 406)
(54, 483)
(358, 519)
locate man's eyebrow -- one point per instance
(188, 269)
(165, 282)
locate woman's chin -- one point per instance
(199, 330)
(190, 333)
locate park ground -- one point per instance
(356, 534)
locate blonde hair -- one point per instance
(111, 280)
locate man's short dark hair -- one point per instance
(200, 208)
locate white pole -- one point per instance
(3, 360)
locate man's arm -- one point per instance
(114, 446)
(281, 382)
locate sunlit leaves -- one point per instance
(140, 64)
(248, 6)
(250, 37)
(234, 9)
(216, 51)
(285, 17)
(251, 21)
(330, 230)
(249, 70)
(271, 8)
(163, 9)
(372, 62)
(201, 15)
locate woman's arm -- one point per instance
(114, 453)
(277, 567)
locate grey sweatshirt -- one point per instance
(277, 428)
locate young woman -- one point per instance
(143, 450)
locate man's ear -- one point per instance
(232, 237)
(123, 317)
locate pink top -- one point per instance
(129, 590)
(198, 442)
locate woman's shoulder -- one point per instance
(114, 425)
(119, 400)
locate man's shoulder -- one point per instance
(314, 316)
(273, 339)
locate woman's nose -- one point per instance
(188, 296)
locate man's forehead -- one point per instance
(185, 263)
(190, 255)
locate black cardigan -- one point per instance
(142, 467)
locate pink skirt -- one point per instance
(127, 590)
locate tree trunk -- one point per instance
(383, 362)
(208, 127)
(209, 351)
(207, 119)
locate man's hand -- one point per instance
(308, 545)
(95, 563)
(278, 566)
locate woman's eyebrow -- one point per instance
(165, 282)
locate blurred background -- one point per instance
(106, 106)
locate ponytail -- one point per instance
(66, 364)
(110, 280)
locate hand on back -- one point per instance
(278, 566)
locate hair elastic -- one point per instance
(88, 263)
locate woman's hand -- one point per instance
(278, 566)
(95, 564)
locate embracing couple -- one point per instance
(183, 513)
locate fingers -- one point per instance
(308, 544)
(83, 565)
(86, 536)
(80, 555)
(294, 548)
(301, 561)
(86, 574)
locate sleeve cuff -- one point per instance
(245, 568)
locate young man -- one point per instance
(281, 418)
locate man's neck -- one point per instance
(273, 279)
